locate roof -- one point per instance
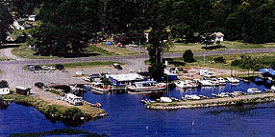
(126, 77)
(144, 82)
(218, 34)
(22, 88)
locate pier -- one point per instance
(227, 101)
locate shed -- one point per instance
(125, 79)
(23, 90)
(32, 18)
(218, 36)
(4, 91)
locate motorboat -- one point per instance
(222, 81)
(273, 87)
(236, 93)
(72, 99)
(207, 73)
(146, 86)
(165, 99)
(253, 90)
(98, 87)
(232, 80)
(214, 81)
(192, 97)
(221, 95)
(185, 84)
(206, 83)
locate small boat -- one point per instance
(222, 81)
(273, 88)
(165, 99)
(185, 84)
(221, 95)
(146, 86)
(206, 83)
(214, 81)
(253, 90)
(98, 87)
(232, 80)
(72, 99)
(192, 97)
(236, 93)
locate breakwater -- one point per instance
(239, 100)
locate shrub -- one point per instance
(73, 113)
(220, 60)
(236, 62)
(188, 56)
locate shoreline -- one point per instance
(58, 111)
(227, 101)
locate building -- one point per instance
(4, 91)
(125, 79)
(23, 91)
(218, 36)
(32, 18)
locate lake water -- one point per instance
(128, 117)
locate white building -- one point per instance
(124, 79)
(218, 36)
(4, 91)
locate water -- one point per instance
(128, 117)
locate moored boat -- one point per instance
(222, 81)
(232, 80)
(98, 87)
(146, 86)
(253, 90)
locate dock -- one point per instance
(227, 101)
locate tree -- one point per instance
(188, 56)
(5, 21)
(247, 62)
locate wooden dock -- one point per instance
(239, 100)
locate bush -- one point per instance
(236, 62)
(220, 60)
(73, 113)
(188, 56)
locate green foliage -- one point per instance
(156, 70)
(220, 59)
(73, 113)
(5, 21)
(236, 62)
(4, 84)
(188, 56)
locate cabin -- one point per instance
(125, 79)
(32, 18)
(218, 36)
(4, 91)
(23, 90)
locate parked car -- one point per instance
(37, 67)
(59, 67)
(30, 67)
(45, 67)
(39, 84)
(117, 66)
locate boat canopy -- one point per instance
(146, 82)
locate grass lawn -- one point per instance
(116, 50)
(196, 47)
(263, 59)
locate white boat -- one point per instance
(206, 83)
(207, 73)
(273, 87)
(253, 90)
(221, 95)
(192, 97)
(222, 81)
(72, 99)
(165, 99)
(98, 87)
(214, 81)
(146, 86)
(185, 84)
(232, 80)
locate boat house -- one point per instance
(23, 91)
(125, 79)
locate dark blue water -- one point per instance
(128, 117)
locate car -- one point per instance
(59, 67)
(37, 67)
(39, 84)
(45, 67)
(117, 66)
(30, 67)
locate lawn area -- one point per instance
(196, 47)
(116, 50)
(264, 60)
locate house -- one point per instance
(218, 36)
(23, 91)
(125, 79)
(4, 91)
(170, 74)
(32, 18)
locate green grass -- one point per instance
(196, 47)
